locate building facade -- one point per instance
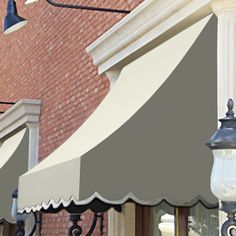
(53, 67)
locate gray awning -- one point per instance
(159, 152)
(13, 163)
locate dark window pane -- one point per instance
(203, 221)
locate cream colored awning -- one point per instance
(145, 141)
(13, 163)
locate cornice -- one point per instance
(147, 26)
(23, 112)
(223, 6)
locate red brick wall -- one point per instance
(47, 60)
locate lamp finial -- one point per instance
(230, 105)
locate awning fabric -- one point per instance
(146, 140)
(13, 163)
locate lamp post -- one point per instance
(223, 180)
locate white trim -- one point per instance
(226, 68)
(23, 112)
(128, 197)
(223, 6)
(33, 144)
(146, 27)
(113, 75)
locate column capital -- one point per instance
(32, 124)
(223, 6)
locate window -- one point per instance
(203, 221)
(165, 220)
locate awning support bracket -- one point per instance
(88, 8)
(76, 230)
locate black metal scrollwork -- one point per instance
(229, 226)
(76, 230)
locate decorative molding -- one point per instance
(146, 27)
(113, 75)
(223, 6)
(24, 112)
(226, 69)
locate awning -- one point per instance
(13, 163)
(146, 140)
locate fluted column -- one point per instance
(225, 11)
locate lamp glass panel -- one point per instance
(30, 1)
(15, 27)
(223, 181)
(14, 209)
(203, 221)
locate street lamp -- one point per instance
(223, 176)
(12, 20)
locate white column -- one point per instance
(33, 144)
(32, 161)
(225, 11)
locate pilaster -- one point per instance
(225, 11)
(33, 144)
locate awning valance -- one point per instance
(13, 163)
(145, 141)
